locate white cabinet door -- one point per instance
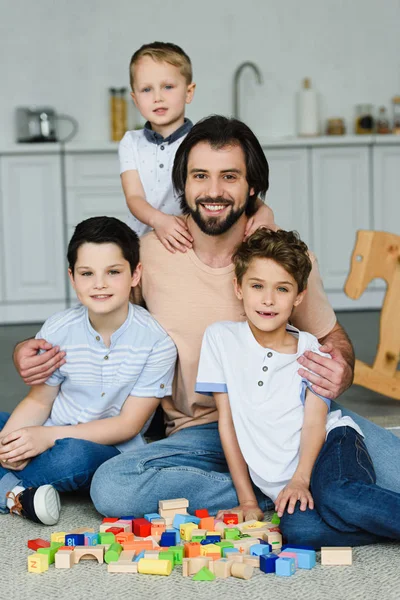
(2, 245)
(387, 188)
(288, 193)
(341, 200)
(32, 216)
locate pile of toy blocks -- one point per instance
(206, 548)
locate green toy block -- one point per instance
(107, 538)
(232, 534)
(204, 575)
(167, 555)
(112, 554)
(49, 552)
(275, 519)
(178, 554)
(56, 545)
(198, 538)
(224, 544)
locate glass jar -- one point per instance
(118, 113)
(364, 123)
(382, 122)
(335, 127)
(396, 114)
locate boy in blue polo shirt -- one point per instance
(99, 403)
(276, 432)
(162, 85)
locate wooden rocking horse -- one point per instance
(377, 254)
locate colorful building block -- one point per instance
(204, 575)
(113, 553)
(186, 530)
(173, 504)
(50, 552)
(230, 519)
(38, 543)
(141, 527)
(267, 563)
(285, 567)
(207, 523)
(89, 553)
(74, 539)
(154, 567)
(38, 563)
(306, 558)
(331, 555)
(151, 516)
(104, 538)
(64, 559)
(91, 539)
(168, 539)
(201, 513)
(258, 549)
(192, 549)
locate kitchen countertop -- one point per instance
(285, 142)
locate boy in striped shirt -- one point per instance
(98, 403)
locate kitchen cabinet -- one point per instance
(386, 188)
(289, 191)
(34, 282)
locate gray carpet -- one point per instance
(374, 574)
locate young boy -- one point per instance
(161, 82)
(120, 363)
(273, 427)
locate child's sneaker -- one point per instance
(41, 505)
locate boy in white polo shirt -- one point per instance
(120, 363)
(161, 82)
(312, 463)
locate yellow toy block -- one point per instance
(210, 549)
(58, 537)
(38, 563)
(185, 531)
(151, 566)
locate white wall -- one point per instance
(67, 54)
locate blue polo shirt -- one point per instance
(96, 379)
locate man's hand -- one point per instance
(25, 443)
(36, 368)
(296, 490)
(264, 217)
(251, 511)
(330, 377)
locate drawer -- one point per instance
(92, 170)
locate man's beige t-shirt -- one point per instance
(186, 296)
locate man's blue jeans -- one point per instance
(68, 466)
(350, 509)
(191, 464)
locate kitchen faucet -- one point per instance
(236, 78)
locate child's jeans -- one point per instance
(68, 466)
(350, 509)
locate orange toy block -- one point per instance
(38, 563)
(192, 549)
(207, 523)
(139, 545)
(124, 537)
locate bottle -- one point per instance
(118, 113)
(364, 123)
(382, 123)
(307, 110)
(396, 114)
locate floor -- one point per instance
(362, 327)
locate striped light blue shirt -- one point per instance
(96, 379)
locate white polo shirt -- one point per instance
(97, 379)
(147, 152)
(266, 396)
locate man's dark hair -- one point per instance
(104, 230)
(219, 132)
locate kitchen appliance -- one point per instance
(39, 124)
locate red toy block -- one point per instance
(230, 519)
(66, 548)
(109, 520)
(201, 513)
(38, 543)
(115, 530)
(141, 527)
(124, 538)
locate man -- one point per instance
(219, 171)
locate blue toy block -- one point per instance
(138, 556)
(168, 539)
(177, 532)
(285, 567)
(213, 539)
(267, 562)
(259, 549)
(287, 546)
(128, 518)
(151, 516)
(180, 519)
(75, 539)
(91, 539)
(306, 559)
(227, 551)
(261, 541)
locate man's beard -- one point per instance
(212, 225)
